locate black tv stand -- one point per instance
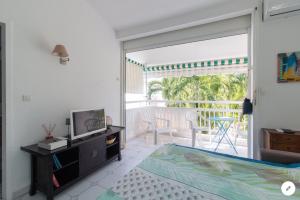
(76, 161)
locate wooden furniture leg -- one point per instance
(119, 157)
(33, 175)
(50, 192)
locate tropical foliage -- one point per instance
(196, 88)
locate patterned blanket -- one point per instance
(177, 172)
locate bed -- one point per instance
(177, 172)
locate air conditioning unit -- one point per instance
(274, 9)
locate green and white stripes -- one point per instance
(200, 68)
(200, 64)
(135, 62)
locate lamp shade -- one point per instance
(60, 50)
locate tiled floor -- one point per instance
(202, 142)
(92, 186)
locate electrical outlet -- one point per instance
(26, 98)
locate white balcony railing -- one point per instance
(176, 112)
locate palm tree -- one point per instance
(211, 87)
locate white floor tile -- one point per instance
(92, 193)
(62, 196)
(78, 188)
(39, 196)
(99, 174)
(111, 179)
(128, 166)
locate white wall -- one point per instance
(89, 80)
(193, 18)
(278, 103)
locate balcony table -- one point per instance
(223, 124)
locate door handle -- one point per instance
(94, 153)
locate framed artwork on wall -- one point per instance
(288, 67)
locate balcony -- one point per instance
(176, 113)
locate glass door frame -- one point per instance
(249, 32)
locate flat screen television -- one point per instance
(87, 122)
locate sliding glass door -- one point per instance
(190, 92)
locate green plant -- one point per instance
(211, 88)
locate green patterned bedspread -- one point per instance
(177, 172)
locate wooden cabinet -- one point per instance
(92, 154)
(274, 140)
(76, 161)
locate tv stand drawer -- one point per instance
(92, 154)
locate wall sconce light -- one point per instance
(60, 50)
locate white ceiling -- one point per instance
(227, 47)
(122, 14)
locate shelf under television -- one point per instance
(111, 145)
(66, 165)
(63, 187)
(66, 175)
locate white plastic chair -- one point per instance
(237, 132)
(152, 122)
(192, 118)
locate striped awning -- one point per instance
(200, 68)
(135, 62)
